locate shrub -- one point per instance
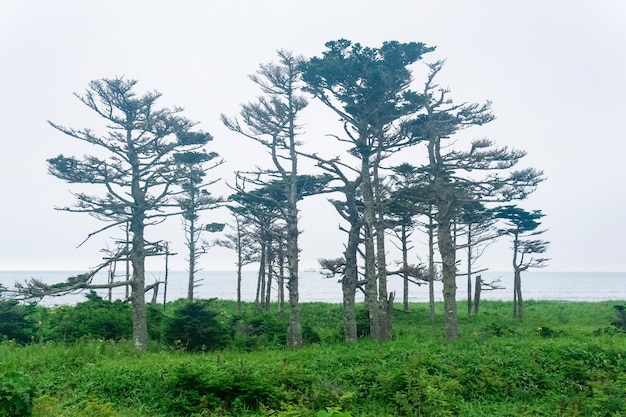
(620, 319)
(95, 318)
(195, 326)
(260, 330)
(16, 395)
(15, 321)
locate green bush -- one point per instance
(204, 389)
(95, 318)
(261, 329)
(15, 321)
(196, 326)
(16, 394)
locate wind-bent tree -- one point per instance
(193, 199)
(271, 121)
(481, 173)
(522, 225)
(351, 210)
(402, 209)
(477, 224)
(368, 88)
(136, 176)
(241, 241)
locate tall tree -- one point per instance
(368, 89)
(402, 208)
(272, 121)
(491, 175)
(477, 224)
(522, 226)
(240, 240)
(193, 199)
(137, 175)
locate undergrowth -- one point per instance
(553, 363)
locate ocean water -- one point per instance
(536, 285)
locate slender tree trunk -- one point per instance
(138, 283)
(349, 284)
(281, 280)
(448, 269)
(469, 269)
(371, 288)
(477, 288)
(405, 266)
(385, 301)
(239, 262)
(515, 274)
(431, 264)
(519, 303)
(191, 241)
(167, 272)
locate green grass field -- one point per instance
(563, 359)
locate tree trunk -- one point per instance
(405, 273)
(431, 264)
(138, 284)
(478, 286)
(371, 288)
(385, 304)
(448, 269)
(469, 269)
(192, 260)
(519, 302)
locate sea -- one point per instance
(313, 286)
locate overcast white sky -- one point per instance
(555, 71)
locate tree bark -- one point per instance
(448, 269)
(371, 288)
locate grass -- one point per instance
(553, 363)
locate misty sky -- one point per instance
(555, 72)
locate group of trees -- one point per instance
(156, 167)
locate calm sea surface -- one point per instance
(536, 285)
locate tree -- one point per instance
(137, 176)
(402, 208)
(522, 226)
(241, 241)
(477, 223)
(482, 173)
(193, 199)
(271, 121)
(368, 89)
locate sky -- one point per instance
(555, 72)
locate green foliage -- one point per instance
(499, 367)
(196, 326)
(620, 319)
(16, 394)
(261, 329)
(95, 318)
(202, 388)
(15, 321)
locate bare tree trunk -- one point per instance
(469, 269)
(385, 304)
(477, 288)
(167, 271)
(138, 297)
(431, 264)
(518, 301)
(405, 273)
(191, 244)
(448, 269)
(371, 288)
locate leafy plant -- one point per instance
(16, 394)
(620, 319)
(196, 326)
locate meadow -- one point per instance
(563, 359)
